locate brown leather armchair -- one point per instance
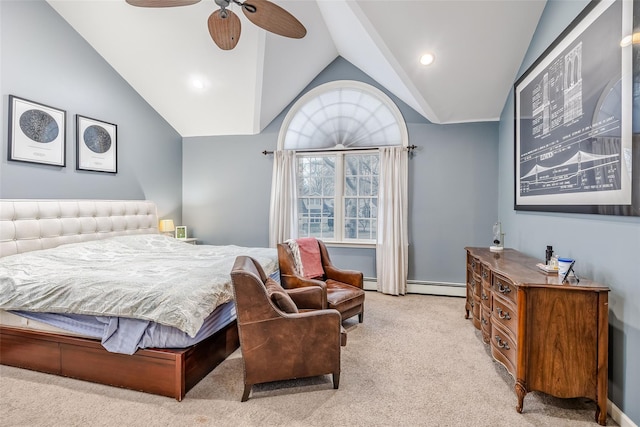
(279, 345)
(344, 287)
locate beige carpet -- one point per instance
(415, 361)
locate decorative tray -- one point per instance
(547, 268)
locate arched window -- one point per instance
(343, 114)
(335, 130)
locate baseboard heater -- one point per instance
(424, 287)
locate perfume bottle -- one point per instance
(548, 254)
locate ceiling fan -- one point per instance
(224, 25)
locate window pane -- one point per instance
(329, 186)
(303, 186)
(327, 218)
(318, 210)
(350, 208)
(311, 174)
(364, 229)
(361, 191)
(350, 229)
(365, 165)
(351, 165)
(303, 225)
(316, 193)
(364, 188)
(351, 186)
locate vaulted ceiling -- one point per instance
(478, 44)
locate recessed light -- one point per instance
(427, 59)
(198, 83)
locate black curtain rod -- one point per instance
(409, 148)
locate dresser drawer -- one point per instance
(503, 348)
(475, 309)
(503, 287)
(475, 285)
(506, 315)
(485, 323)
(485, 274)
(474, 264)
(485, 297)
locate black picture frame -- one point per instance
(577, 137)
(96, 145)
(37, 133)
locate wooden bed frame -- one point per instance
(37, 224)
(159, 371)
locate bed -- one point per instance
(31, 229)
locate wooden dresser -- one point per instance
(551, 336)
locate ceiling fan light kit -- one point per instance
(224, 25)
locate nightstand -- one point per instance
(190, 240)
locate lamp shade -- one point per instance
(166, 226)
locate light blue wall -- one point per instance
(607, 248)
(44, 60)
(452, 189)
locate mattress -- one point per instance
(121, 335)
(12, 320)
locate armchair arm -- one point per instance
(290, 281)
(309, 297)
(351, 277)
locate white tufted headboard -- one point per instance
(29, 224)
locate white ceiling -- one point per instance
(479, 46)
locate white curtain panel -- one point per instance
(392, 248)
(283, 213)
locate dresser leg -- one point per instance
(601, 415)
(521, 392)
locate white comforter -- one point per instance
(150, 277)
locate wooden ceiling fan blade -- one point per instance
(224, 27)
(273, 18)
(161, 3)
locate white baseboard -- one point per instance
(618, 416)
(424, 288)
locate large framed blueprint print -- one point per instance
(574, 117)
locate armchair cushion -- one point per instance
(279, 296)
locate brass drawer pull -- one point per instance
(473, 264)
(503, 289)
(485, 275)
(484, 321)
(502, 344)
(484, 296)
(471, 304)
(503, 314)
